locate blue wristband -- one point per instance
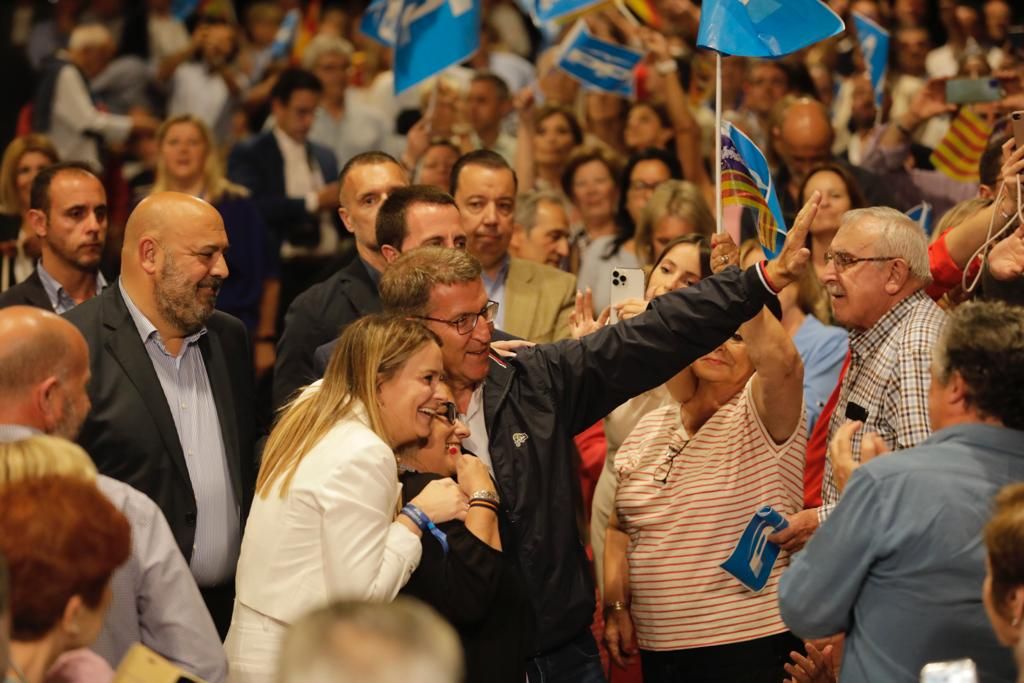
(425, 525)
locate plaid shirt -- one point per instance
(889, 376)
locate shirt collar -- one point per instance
(500, 277)
(371, 271)
(147, 330)
(59, 298)
(13, 432)
(864, 343)
(287, 144)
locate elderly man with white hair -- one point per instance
(342, 122)
(876, 271)
(64, 109)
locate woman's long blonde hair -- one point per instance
(41, 456)
(215, 183)
(370, 351)
(10, 202)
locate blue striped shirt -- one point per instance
(187, 389)
(60, 300)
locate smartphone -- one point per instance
(959, 671)
(970, 90)
(627, 283)
(1017, 124)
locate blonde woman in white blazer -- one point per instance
(325, 523)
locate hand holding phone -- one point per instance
(1017, 125)
(973, 90)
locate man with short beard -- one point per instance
(68, 212)
(171, 386)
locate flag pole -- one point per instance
(718, 143)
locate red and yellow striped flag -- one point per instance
(958, 154)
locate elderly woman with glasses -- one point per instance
(463, 572)
(691, 475)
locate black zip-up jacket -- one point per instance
(535, 403)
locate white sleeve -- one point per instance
(73, 107)
(367, 554)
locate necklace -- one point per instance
(17, 672)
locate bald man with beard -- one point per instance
(171, 386)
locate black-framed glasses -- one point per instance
(447, 411)
(465, 324)
(844, 260)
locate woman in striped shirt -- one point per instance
(691, 475)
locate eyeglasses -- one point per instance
(465, 324)
(447, 411)
(844, 260)
(662, 471)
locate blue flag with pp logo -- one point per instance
(765, 28)
(380, 21)
(753, 558)
(924, 215)
(874, 46)
(598, 64)
(433, 35)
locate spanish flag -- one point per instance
(958, 154)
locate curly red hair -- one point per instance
(62, 538)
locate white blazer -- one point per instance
(333, 535)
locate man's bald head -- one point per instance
(44, 371)
(172, 264)
(805, 137)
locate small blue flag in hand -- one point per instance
(548, 10)
(598, 64)
(924, 215)
(765, 28)
(874, 45)
(432, 36)
(753, 558)
(747, 181)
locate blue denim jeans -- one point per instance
(578, 661)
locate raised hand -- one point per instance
(724, 252)
(581, 320)
(791, 262)
(1006, 260)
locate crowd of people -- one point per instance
(305, 381)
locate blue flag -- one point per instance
(380, 21)
(765, 28)
(285, 35)
(874, 45)
(753, 558)
(746, 181)
(924, 215)
(597, 64)
(432, 36)
(548, 10)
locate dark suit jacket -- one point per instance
(318, 316)
(27, 293)
(130, 432)
(258, 165)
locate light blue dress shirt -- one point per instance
(187, 389)
(496, 291)
(899, 564)
(823, 349)
(60, 300)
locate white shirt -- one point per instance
(303, 179)
(74, 116)
(477, 443)
(333, 535)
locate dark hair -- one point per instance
(366, 159)
(627, 227)
(549, 110)
(494, 79)
(659, 110)
(291, 80)
(703, 245)
(583, 156)
(1004, 541)
(983, 342)
(391, 226)
(39, 196)
(5, 586)
(481, 157)
(991, 161)
(857, 200)
(62, 538)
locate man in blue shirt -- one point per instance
(898, 566)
